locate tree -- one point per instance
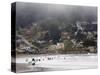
(67, 45)
(55, 33)
(89, 42)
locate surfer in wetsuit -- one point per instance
(33, 61)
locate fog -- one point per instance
(27, 13)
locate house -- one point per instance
(92, 49)
(65, 35)
(60, 46)
(56, 47)
(52, 47)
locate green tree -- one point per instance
(67, 45)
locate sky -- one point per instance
(28, 13)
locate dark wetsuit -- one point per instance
(33, 63)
